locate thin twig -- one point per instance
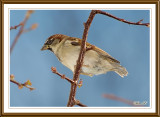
(77, 102)
(21, 29)
(62, 76)
(82, 105)
(114, 97)
(27, 84)
(15, 27)
(34, 26)
(122, 20)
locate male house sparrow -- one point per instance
(96, 61)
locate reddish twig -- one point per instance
(15, 27)
(22, 24)
(77, 102)
(82, 105)
(62, 76)
(27, 84)
(122, 20)
(71, 100)
(34, 26)
(114, 97)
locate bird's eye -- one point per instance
(49, 41)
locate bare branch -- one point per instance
(80, 59)
(27, 84)
(62, 76)
(82, 105)
(15, 27)
(22, 24)
(114, 97)
(34, 26)
(122, 20)
(77, 102)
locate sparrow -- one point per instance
(96, 61)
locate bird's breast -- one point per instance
(68, 55)
(93, 63)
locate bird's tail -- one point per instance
(120, 70)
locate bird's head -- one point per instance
(52, 42)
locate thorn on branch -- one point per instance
(139, 22)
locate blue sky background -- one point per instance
(127, 43)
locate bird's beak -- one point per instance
(45, 47)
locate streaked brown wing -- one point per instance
(77, 42)
(105, 54)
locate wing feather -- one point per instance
(78, 41)
(105, 55)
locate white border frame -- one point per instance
(151, 109)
